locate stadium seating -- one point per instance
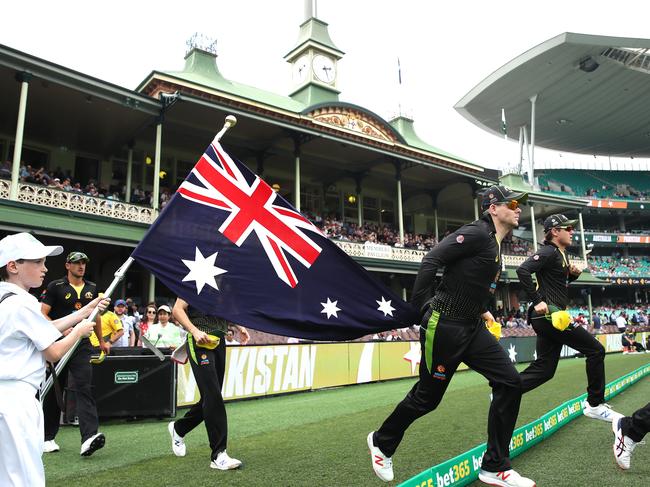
(630, 185)
(605, 266)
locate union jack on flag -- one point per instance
(222, 185)
(232, 247)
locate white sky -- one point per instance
(445, 48)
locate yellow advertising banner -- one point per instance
(255, 371)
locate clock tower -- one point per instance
(314, 61)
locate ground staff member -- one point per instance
(27, 339)
(628, 432)
(62, 297)
(554, 273)
(208, 366)
(453, 331)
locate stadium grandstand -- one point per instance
(377, 178)
(97, 179)
(602, 185)
(556, 112)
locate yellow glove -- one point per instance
(494, 328)
(99, 359)
(212, 344)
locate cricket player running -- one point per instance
(628, 433)
(453, 331)
(554, 273)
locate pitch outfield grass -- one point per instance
(319, 438)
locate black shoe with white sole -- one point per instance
(92, 444)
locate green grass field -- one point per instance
(318, 438)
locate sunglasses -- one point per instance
(512, 204)
(568, 229)
(151, 312)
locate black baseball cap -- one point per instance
(501, 194)
(76, 257)
(558, 221)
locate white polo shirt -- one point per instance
(24, 334)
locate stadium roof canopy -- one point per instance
(593, 95)
(66, 108)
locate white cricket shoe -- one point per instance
(50, 446)
(92, 444)
(603, 411)
(381, 464)
(508, 478)
(224, 462)
(178, 443)
(623, 445)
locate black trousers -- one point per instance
(549, 345)
(637, 425)
(80, 368)
(208, 367)
(449, 344)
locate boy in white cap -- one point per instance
(27, 339)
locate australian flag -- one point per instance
(229, 245)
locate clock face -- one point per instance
(324, 68)
(300, 69)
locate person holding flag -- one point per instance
(27, 339)
(550, 298)
(453, 330)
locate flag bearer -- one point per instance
(27, 339)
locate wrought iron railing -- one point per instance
(68, 200)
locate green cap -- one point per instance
(76, 257)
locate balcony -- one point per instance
(67, 200)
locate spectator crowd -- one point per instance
(127, 324)
(57, 179)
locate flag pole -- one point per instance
(230, 122)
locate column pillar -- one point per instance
(531, 170)
(583, 246)
(24, 79)
(400, 212)
(533, 226)
(129, 176)
(296, 153)
(358, 178)
(152, 288)
(155, 194)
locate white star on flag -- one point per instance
(330, 308)
(512, 353)
(203, 271)
(385, 307)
